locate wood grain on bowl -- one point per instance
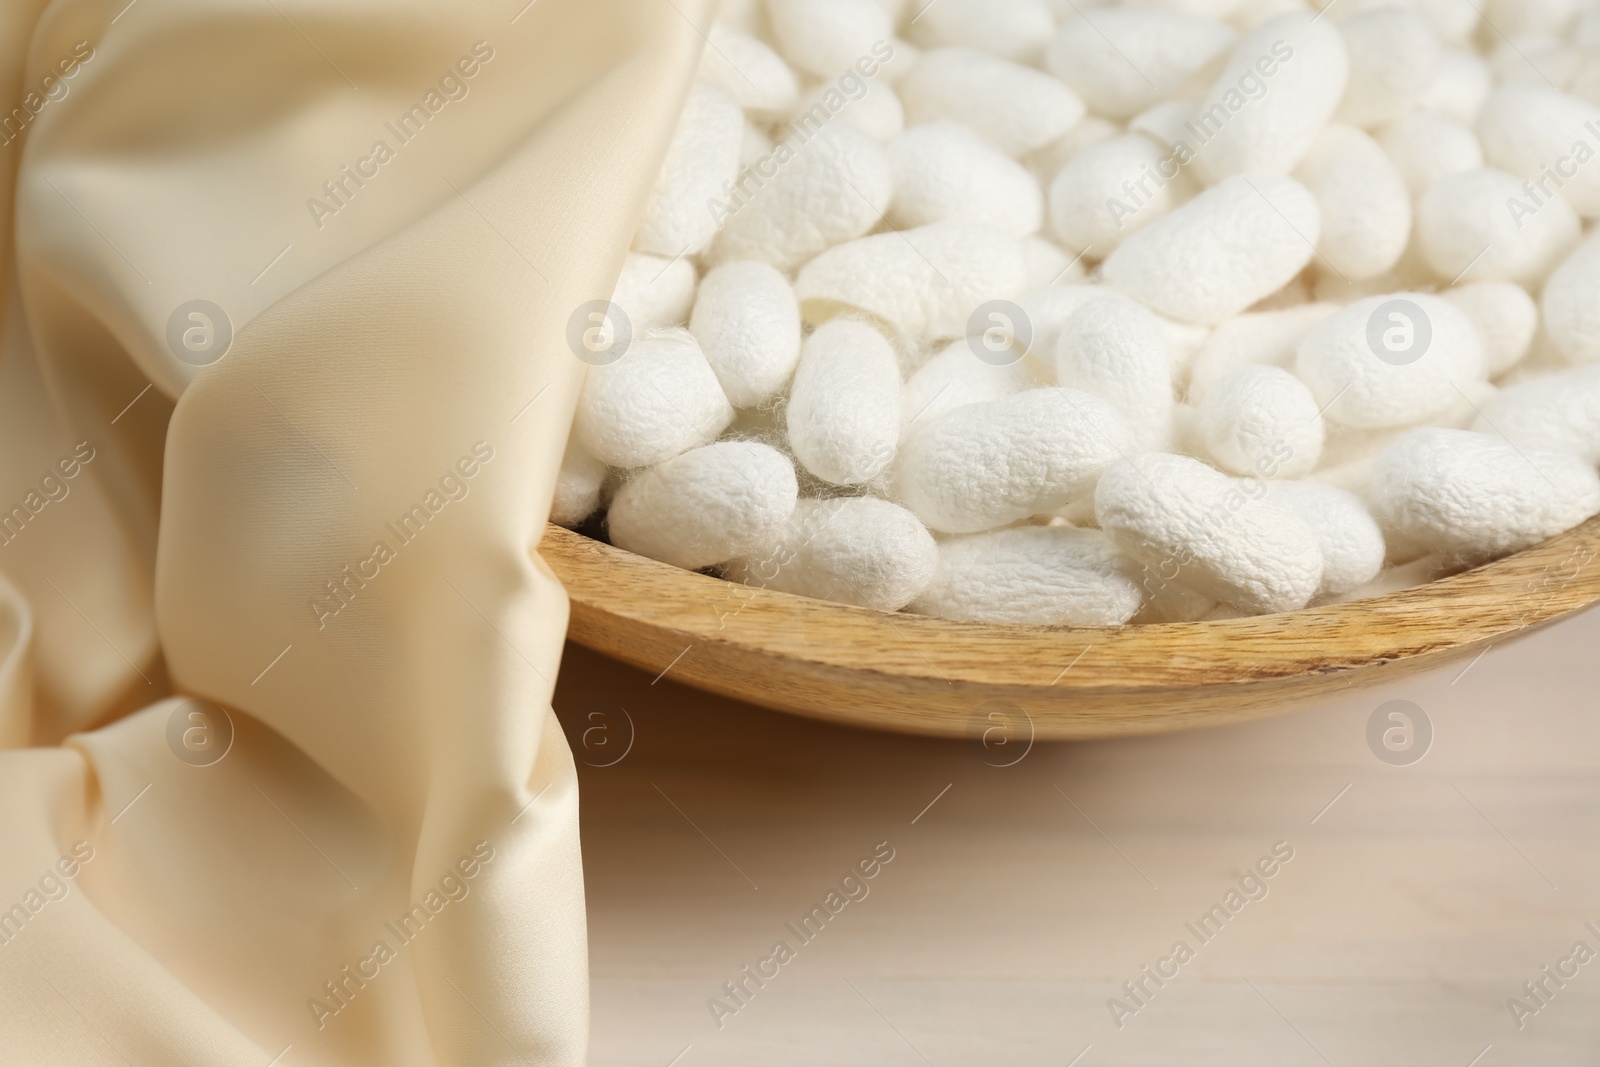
(933, 676)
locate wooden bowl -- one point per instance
(932, 676)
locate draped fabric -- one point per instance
(284, 387)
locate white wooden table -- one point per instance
(1419, 898)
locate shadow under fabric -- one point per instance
(328, 531)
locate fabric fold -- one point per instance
(299, 276)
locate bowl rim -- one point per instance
(646, 613)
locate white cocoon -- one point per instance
(808, 196)
(1537, 59)
(1270, 338)
(1090, 130)
(1222, 251)
(1428, 145)
(1017, 108)
(1251, 14)
(851, 550)
(1049, 309)
(1480, 225)
(1454, 20)
(825, 38)
(1279, 88)
(990, 464)
(747, 321)
(1219, 537)
(1165, 600)
(902, 57)
(1506, 318)
(755, 147)
(1361, 387)
(844, 407)
(1460, 86)
(703, 155)
(1010, 29)
(1032, 575)
(876, 112)
(1110, 190)
(1123, 60)
(654, 291)
(1349, 454)
(923, 283)
(1184, 341)
(1557, 413)
(1475, 497)
(896, 8)
(1202, 9)
(1115, 349)
(1394, 58)
(659, 399)
(1512, 17)
(1571, 306)
(747, 70)
(943, 171)
(956, 377)
(1166, 123)
(1048, 265)
(1364, 203)
(578, 485)
(706, 506)
(1352, 544)
(1534, 131)
(1262, 421)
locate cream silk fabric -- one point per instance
(395, 775)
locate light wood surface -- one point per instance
(1419, 900)
(932, 676)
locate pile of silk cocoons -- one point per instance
(1050, 312)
